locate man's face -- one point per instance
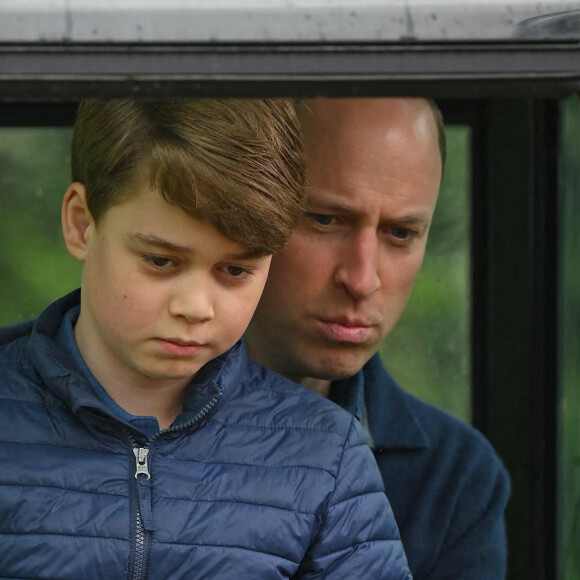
(338, 288)
(163, 293)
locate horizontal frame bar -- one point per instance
(32, 72)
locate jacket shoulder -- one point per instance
(12, 332)
(451, 488)
(398, 419)
(19, 380)
(13, 340)
(296, 407)
(452, 435)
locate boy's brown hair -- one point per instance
(237, 164)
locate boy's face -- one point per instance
(162, 292)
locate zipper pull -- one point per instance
(141, 459)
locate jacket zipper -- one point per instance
(142, 535)
(141, 454)
(143, 522)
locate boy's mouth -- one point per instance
(179, 347)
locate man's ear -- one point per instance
(77, 221)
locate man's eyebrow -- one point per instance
(413, 219)
(156, 241)
(324, 205)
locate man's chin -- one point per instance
(336, 367)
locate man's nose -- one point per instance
(357, 270)
(193, 301)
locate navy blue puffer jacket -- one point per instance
(259, 478)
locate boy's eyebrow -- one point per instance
(153, 240)
(251, 254)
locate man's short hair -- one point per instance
(237, 164)
(438, 118)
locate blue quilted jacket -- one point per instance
(257, 479)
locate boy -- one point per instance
(136, 438)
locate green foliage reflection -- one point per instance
(429, 351)
(569, 419)
(35, 266)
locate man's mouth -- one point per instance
(345, 330)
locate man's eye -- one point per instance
(401, 233)
(321, 218)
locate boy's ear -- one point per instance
(77, 221)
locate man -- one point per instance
(336, 291)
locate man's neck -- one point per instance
(320, 386)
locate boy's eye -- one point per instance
(158, 261)
(236, 271)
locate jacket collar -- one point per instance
(392, 422)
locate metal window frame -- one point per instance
(515, 289)
(39, 72)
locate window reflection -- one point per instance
(34, 174)
(569, 420)
(428, 353)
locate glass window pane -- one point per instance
(569, 419)
(428, 353)
(34, 174)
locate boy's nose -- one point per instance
(193, 303)
(357, 270)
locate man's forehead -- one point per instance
(346, 113)
(351, 128)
